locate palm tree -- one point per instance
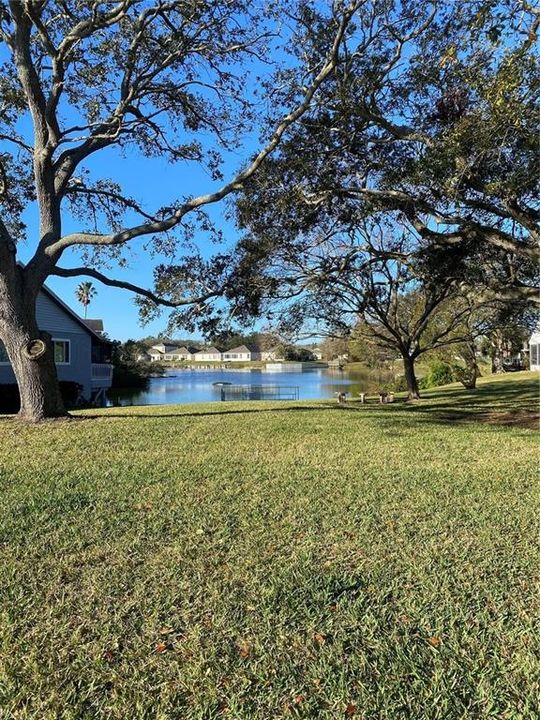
(85, 293)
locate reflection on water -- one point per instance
(194, 386)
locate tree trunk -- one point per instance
(31, 356)
(474, 370)
(497, 365)
(410, 378)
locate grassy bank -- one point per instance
(257, 561)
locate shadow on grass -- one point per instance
(493, 402)
(411, 414)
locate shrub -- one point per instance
(439, 373)
(129, 376)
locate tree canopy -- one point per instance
(440, 137)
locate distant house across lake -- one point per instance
(209, 354)
(81, 352)
(171, 353)
(242, 353)
(167, 352)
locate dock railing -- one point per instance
(260, 392)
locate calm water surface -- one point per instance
(195, 386)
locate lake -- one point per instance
(196, 386)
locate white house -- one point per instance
(209, 354)
(317, 353)
(241, 354)
(157, 352)
(534, 351)
(164, 352)
(183, 353)
(81, 354)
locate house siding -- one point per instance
(534, 351)
(207, 357)
(237, 357)
(52, 319)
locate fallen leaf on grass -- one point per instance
(350, 710)
(243, 649)
(434, 641)
(299, 699)
(319, 638)
(161, 647)
(108, 655)
(144, 506)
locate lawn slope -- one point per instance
(258, 560)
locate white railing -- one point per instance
(102, 372)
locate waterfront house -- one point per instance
(81, 353)
(209, 354)
(186, 352)
(534, 351)
(158, 352)
(165, 352)
(242, 353)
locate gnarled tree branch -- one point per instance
(111, 282)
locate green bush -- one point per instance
(439, 373)
(131, 375)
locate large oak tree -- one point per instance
(159, 77)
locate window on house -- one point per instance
(61, 352)
(535, 354)
(3, 354)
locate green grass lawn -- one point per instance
(258, 561)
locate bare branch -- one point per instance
(90, 272)
(56, 248)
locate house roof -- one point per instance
(54, 297)
(209, 351)
(185, 350)
(241, 349)
(95, 325)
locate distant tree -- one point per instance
(493, 328)
(361, 281)
(334, 347)
(504, 340)
(129, 370)
(371, 354)
(297, 354)
(85, 293)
